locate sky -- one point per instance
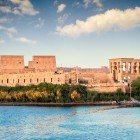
(84, 33)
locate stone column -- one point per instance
(118, 67)
(138, 68)
(121, 65)
(121, 69)
(126, 67)
(110, 66)
(132, 68)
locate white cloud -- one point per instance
(16, 1)
(5, 9)
(1, 40)
(25, 40)
(21, 7)
(10, 35)
(3, 20)
(62, 18)
(40, 23)
(61, 8)
(8, 30)
(55, 2)
(96, 2)
(76, 4)
(110, 19)
(86, 2)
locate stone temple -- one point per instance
(124, 69)
(41, 69)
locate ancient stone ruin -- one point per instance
(43, 69)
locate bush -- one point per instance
(65, 93)
(136, 87)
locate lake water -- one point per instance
(69, 123)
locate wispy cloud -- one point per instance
(1, 40)
(10, 31)
(96, 2)
(55, 2)
(62, 18)
(86, 3)
(20, 7)
(26, 40)
(76, 4)
(40, 23)
(123, 20)
(3, 20)
(61, 8)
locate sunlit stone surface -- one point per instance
(93, 123)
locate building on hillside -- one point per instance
(124, 69)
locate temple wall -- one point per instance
(41, 63)
(11, 64)
(31, 78)
(124, 69)
(43, 69)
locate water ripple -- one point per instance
(33, 123)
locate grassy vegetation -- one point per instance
(50, 93)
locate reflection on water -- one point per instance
(69, 123)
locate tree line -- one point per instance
(51, 93)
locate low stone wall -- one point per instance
(107, 87)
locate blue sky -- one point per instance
(83, 33)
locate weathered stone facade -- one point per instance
(124, 69)
(31, 78)
(43, 69)
(11, 64)
(40, 69)
(41, 63)
(107, 87)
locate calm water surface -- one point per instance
(74, 123)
